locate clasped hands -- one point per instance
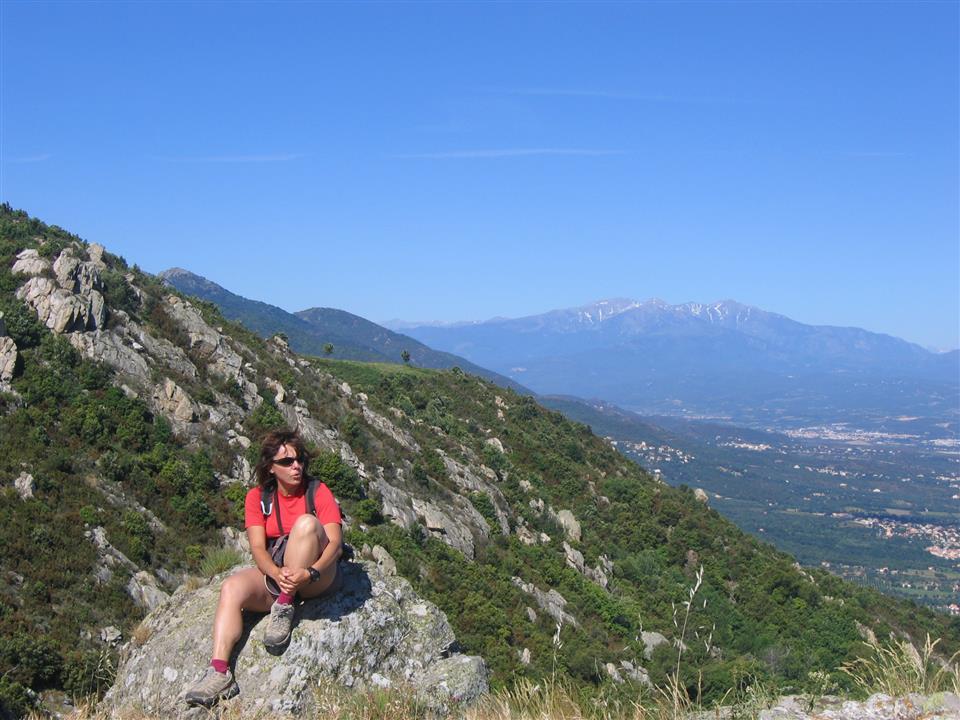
(292, 579)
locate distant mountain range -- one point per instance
(724, 360)
(309, 331)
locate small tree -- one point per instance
(405, 355)
(328, 348)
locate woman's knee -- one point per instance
(237, 588)
(307, 524)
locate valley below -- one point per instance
(877, 504)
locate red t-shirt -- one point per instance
(291, 507)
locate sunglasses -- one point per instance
(288, 461)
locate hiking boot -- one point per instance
(212, 688)
(279, 626)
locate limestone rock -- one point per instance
(174, 401)
(941, 706)
(30, 263)
(385, 560)
(25, 485)
(651, 641)
(376, 632)
(385, 426)
(142, 586)
(495, 444)
(452, 531)
(568, 522)
(111, 635)
(701, 495)
(145, 591)
(109, 347)
(61, 310)
(635, 673)
(95, 253)
(465, 477)
(76, 276)
(8, 358)
(613, 672)
(551, 602)
(598, 574)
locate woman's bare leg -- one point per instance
(244, 590)
(306, 543)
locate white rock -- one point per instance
(25, 485)
(30, 263)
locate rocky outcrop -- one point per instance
(30, 263)
(386, 427)
(568, 522)
(940, 706)
(651, 641)
(175, 403)
(59, 309)
(375, 632)
(25, 485)
(551, 602)
(599, 574)
(452, 531)
(72, 301)
(481, 482)
(142, 587)
(8, 356)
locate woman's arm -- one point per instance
(298, 577)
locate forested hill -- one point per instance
(128, 419)
(325, 331)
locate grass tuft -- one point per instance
(218, 559)
(897, 668)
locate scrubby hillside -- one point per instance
(127, 420)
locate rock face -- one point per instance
(942, 706)
(375, 632)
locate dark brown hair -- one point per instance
(270, 446)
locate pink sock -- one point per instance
(285, 599)
(221, 666)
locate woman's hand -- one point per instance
(292, 579)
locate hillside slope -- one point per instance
(133, 411)
(310, 331)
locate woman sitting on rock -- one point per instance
(296, 539)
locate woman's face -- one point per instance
(287, 466)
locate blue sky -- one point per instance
(450, 161)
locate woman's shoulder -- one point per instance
(253, 494)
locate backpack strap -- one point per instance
(311, 498)
(267, 505)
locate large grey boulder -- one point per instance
(375, 632)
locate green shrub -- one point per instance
(342, 479)
(368, 512)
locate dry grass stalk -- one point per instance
(897, 668)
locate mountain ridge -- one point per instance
(720, 359)
(309, 331)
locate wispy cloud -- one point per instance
(280, 157)
(31, 158)
(508, 153)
